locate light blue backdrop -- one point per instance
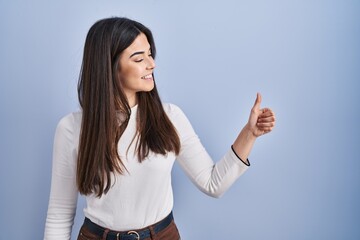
(213, 56)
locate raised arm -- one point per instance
(212, 178)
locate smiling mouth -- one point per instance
(149, 76)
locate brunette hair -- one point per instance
(101, 97)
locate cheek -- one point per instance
(130, 77)
(131, 72)
(123, 74)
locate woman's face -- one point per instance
(136, 68)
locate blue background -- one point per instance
(213, 56)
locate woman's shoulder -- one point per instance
(172, 109)
(179, 119)
(175, 113)
(71, 121)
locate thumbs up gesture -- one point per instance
(261, 120)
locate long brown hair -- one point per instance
(101, 97)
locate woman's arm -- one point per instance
(215, 178)
(63, 194)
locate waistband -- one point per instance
(128, 235)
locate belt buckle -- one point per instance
(134, 233)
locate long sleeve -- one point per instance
(212, 179)
(63, 194)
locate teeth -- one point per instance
(147, 76)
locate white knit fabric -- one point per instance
(142, 196)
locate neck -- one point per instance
(132, 100)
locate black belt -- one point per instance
(128, 235)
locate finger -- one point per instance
(263, 125)
(266, 130)
(266, 112)
(266, 119)
(257, 101)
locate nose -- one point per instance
(150, 64)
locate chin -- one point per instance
(148, 89)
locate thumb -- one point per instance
(257, 101)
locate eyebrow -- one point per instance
(138, 53)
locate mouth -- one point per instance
(147, 77)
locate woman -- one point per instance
(120, 149)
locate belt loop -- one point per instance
(152, 233)
(105, 234)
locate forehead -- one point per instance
(140, 44)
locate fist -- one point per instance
(261, 120)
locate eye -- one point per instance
(140, 60)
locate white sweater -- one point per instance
(142, 196)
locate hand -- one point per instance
(261, 121)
